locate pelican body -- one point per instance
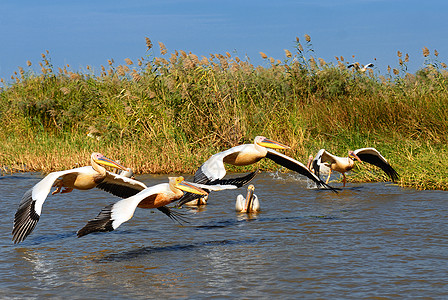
(82, 178)
(112, 216)
(213, 170)
(345, 164)
(249, 204)
(359, 67)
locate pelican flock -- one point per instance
(210, 176)
(213, 170)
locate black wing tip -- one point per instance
(239, 181)
(102, 223)
(25, 218)
(187, 197)
(174, 215)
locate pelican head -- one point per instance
(181, 184)
(265, 142)
(353, 156)
(102, 160)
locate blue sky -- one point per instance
(81, 33)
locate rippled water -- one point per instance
(370, 240)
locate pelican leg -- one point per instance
(328, 178)
(58, 184)
(344, 180)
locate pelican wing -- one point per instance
(112, 216)
(322, 157)
(173, 215)
(240, 203)
(374, 157)
(296, 166)
(30, 207)
(121, 186)
(213, 168)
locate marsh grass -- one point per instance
(170, 113)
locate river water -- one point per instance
(372, 240)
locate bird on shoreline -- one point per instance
(112, 216)
(345, 164)
(213, 170)
(249, 204)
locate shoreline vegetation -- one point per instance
(169, 112)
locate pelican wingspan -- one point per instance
(113, 215)
(374, 157)
(30, 207)
(296, 166)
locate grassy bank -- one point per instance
(168, 112)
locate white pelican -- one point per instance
(198, 201)
(344, 164)
(359, 67)
(250, 204)
(156, 196)
(129, 173)
(82, 178)
(213, 170)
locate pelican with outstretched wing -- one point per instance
(83, 178)
(345, 164)
(112, 216)
(249, 204)
(213, 170)
(360, 68)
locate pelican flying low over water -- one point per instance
(345, 164)
(250, 204)
(213, 170)
(112, 216)
(82, 178)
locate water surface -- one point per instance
(368, 241)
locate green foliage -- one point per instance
(170, 115)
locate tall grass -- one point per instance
(170, 112)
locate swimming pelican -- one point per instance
(359, 67)
(213, 170)
(156, 196)
(82, 178)
(344, 164)
(250, 204)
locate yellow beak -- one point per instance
(109, 162)
(187, 187)
(272, 144)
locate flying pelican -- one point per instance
(131, 191)
(344, 164)
(156, 196)
(359, 67)
(212, 171)
(82, 178)
(250, 204)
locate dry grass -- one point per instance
(170, 113)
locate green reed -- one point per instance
(169, 113)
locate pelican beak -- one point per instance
(109, 162)
(249, 197)
(187, 187)
(353, 156)
(272, 144)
